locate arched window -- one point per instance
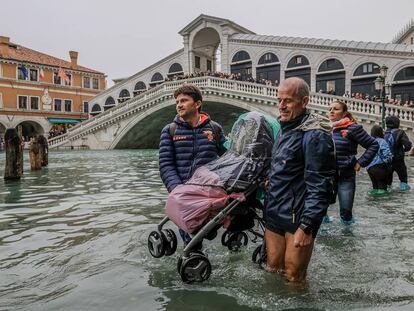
(156, 79)
(242, 66)
(268, 58)
(299, 66)
(124, 93)
(298, 61)
(406, 73)
(240, 56)
(331, 64)
(367, 69)
(363, 80)
(268, 68)
(96, 109)
(109, 102)
(331, 77)
(403, 85)
(124, 96)
(175, 68)
(139, 88)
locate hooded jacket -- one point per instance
(189, 148)
(347, 136)
(401, 142)
(302, 174)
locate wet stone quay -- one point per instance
(73, 236)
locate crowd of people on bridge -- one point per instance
(314, 161)
(58, 129)
(388, 100)
(222, 75)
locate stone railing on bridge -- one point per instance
(365, 110)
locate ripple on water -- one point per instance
(74, 237)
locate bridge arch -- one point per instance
(216, 98)
(205, 47)
(30, 129)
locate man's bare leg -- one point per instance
(296, 259)
(275, 248)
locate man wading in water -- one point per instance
(300, 182)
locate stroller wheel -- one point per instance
(195, 268)
(170, 242)
(236, 240)
(225, 238)
(156, 244)
(259, 255)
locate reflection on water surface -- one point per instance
(73, 237)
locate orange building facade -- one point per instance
(40, 93)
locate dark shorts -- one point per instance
(291, 229)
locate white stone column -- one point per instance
(225, 53)
(187, 62)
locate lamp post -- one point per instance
(384, 88)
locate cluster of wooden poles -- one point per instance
(14, 154)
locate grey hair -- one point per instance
(302, 88)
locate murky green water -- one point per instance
(73, 237)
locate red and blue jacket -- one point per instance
(187, 149)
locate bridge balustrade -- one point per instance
(318, 102)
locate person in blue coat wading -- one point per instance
(300, 182)
(191, 141)
(347, 135)
(380, 168)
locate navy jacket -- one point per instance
(347, 138)
(189, 149)
(302, 174)
(401, 141)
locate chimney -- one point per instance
(4, 46)
(73, 59)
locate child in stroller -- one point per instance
(222, 192)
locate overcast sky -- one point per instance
(122, 37)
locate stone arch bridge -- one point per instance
(106, 130)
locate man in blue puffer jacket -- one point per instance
(191, 141)
(300, 183)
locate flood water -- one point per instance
(74, 237)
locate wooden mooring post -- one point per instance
(14, 155)
(44, 150)
(35, 154)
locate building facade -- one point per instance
(39, 92)
(217, 44)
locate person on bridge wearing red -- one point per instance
(189, 142)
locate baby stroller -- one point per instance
(222, 192)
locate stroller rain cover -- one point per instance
(248, 158)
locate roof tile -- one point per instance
(23, 54)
